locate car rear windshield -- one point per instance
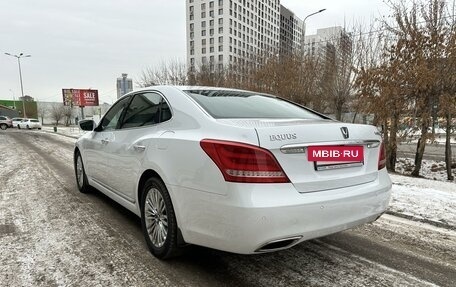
(228, 104)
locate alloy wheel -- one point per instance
(156, 217)
(79, 171)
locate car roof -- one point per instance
(185, 88)
(198, 88)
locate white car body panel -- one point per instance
(27, 123)
(238, 217)
(16, 121)
(250, 216)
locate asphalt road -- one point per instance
(431, 152)
(52, 235)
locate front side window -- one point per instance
(146, 109)
(111, 119)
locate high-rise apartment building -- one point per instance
(124, 85)
(327, 39)
(291, 31)
(223, 32)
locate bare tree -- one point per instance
(167, 73)
(57, 113)
(414, 72)
(68, 114)
(422, 35)
(337, 76)
(447, 101)
(43, 110)
(208, 74)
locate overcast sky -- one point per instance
(88, 44)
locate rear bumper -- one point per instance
(251, 216)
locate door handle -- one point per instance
(105, 141)
(139, 147)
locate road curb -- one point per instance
(57, 133)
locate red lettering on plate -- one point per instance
(335, 153)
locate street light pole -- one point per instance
(304, 26)
(21, 55)
(14, 98)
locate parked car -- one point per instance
(16, 121)
(232, 170)
(5, 122)
(29, 124)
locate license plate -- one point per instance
(335, 153)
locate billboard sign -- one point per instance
(81, 98)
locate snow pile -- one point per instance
(431, 199)
(423, 199)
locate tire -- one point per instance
(3, 126)
(18, 127)
(160, 220)
(28, 127)
(79, 172)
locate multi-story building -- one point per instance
(327, 40)
(124, 85)
(291, 31)
(223, 32)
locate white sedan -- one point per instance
(29, 124)
(16, 121)
(233, 170)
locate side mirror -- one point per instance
(87, 125)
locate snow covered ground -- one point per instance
(71, 131)
(423, 199)
(431, 198)
(430, 169)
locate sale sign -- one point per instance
(88, 98)
(335, 153)
(79, 97)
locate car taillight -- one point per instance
(240, 162)
(382, 157)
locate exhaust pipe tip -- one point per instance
(279, 244)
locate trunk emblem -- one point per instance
(345, 133)
(282, 137)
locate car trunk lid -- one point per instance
(291, 140)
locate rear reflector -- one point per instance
(382, 157)
(241, 162)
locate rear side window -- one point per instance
(223, 104)
(34, 121)
(146, 109)
(2, 119)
